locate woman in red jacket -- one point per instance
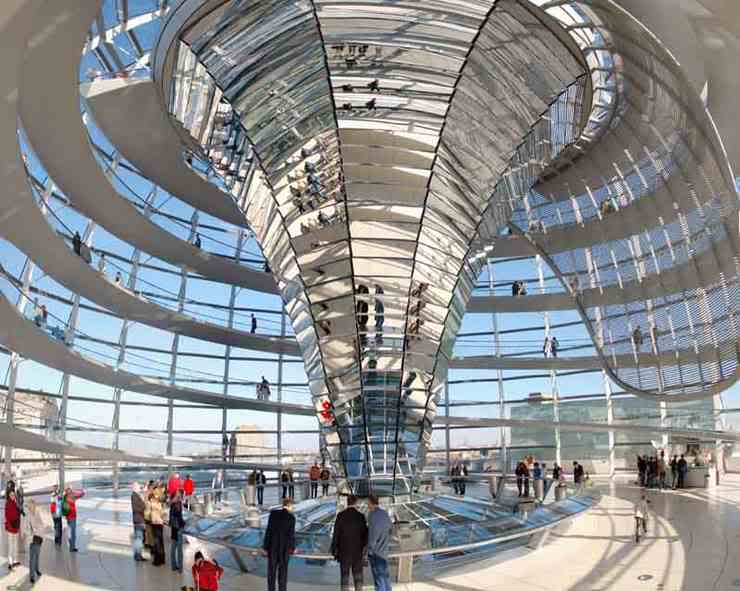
(12, 527)
(206, 573)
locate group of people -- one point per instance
(318, 474)
(24, 518)
(653, 471)
(148, 506)
(258, 480)
(41, 319)
(518, 288)
(356, 538)
(528, 469)
(459, 477)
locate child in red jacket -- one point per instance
(206, 573)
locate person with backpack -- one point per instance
(69, 511)
(206, 573)
(12, 529)
(55, 510)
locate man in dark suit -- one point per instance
(348, 544)
(279, 544)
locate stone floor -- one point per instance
(692, 544)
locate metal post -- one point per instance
(554, 386)
(448, 461)
(227, 355)
(280, 391)
(69, 337)
(15, 359)
(610, 421)
(176, 342)
(503, 449)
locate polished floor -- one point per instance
(692, 544)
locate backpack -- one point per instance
(66, 509)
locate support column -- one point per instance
(554, 386)
(280, 392)
(230, 324)
(448, 460)
(176, 342)
(503, 449)
(610, 421)
(69, 338)
(15, 360)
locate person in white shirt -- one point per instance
(641, 516)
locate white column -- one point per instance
(176, 342)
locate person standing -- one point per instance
(261, 481)
(173, 485)
(217, 484)
(379, 530)
(77, 243)
(554, 346)
(578, 476)
(662, 470)
(253, 328)
(325, 478)
(683, 468)
(641, 470)
(314, 473)
(519, 473)
(674, 471)
(284, 481)
(556, 472)
(156, 515)
(55, 510)
(206, 573)
(12, 527)
(279, 544)
(641, 516)
(291, 483)
(232, 447)
(188, 488)
(35, 529)
(138, 509)
(348, 544)
(69, 511)
(225, 446)
(455, 477)
(463, 478)
(547, 347)
(177, 525)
